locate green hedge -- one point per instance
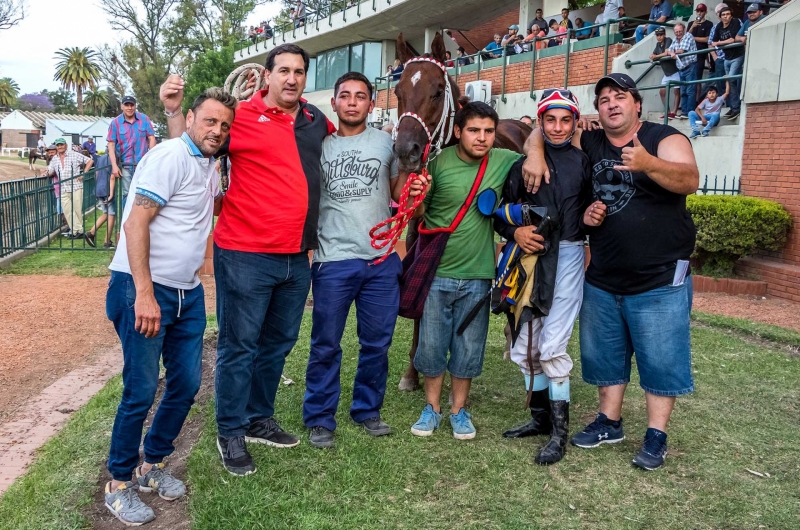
(733, 226)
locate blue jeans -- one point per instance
(180, 343)
(448, 303)
(734, 67)
(688, 92)
(719, 71)
(640, 31)
(375, 289)
(653, 324)
(260, 301)
(713, 120)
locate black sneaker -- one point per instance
(270, 433)
(727, 114)
(235, 458)
(108, 244)
(321, 438)
(732, 115)
(598, 432)
(654, 450)
(89, 237)
(375, 426)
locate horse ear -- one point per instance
(402, 50)
(438, 49)
(462, 100)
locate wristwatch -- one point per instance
(172, 114)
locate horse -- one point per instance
(33, 156)
(427, 100)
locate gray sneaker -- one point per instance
(159, 480)
(126, 505)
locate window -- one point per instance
(364, 57)
(311, 78)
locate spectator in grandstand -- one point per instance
(660, 12)
(717, 56)
(252, 34)
(527, 120)
(565, 21)
(130, 137)
(682, 10)
(300, 13)
(700, 28)
(725, 33)
(559, 30)
(536, 33)
(754, 14)
(267, 29)
(449, 59)
(397, 69)
(581, 34)
(513, 29)
(707, 112)
(661, 52)
(539, 22)
(599, 19)
(611, 9)
(463, 60)
(494, 48)
(625, 28)
(684, 43)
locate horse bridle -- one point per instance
(448, 112)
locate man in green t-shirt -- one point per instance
(466, 270)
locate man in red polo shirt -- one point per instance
(267, 225)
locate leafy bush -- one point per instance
(733, 226)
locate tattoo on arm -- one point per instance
(146, 202)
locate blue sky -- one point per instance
(27, 50)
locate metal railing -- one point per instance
(672, 84)
(657, 62)
(735, 187)
(30, 215)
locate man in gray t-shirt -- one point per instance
(359, 178)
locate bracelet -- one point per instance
(172, 114)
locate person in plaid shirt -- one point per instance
(130, 136)
(66, 165)
(684, 43)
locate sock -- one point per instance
(559, 391)
(613, 423)
(540, 382)
(655, 433)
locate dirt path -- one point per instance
(13, 170)
(765, 310)
(50, 326)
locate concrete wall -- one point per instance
(16, 138)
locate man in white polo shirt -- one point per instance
(155, 300)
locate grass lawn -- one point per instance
(743, 416)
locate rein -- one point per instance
(387, 233)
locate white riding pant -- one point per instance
(551, 334)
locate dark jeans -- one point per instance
(719, 71)
(180, 343)
(375, 289)
(688, 102)
(260, 301)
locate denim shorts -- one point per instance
(107, 207)
(448, 303)
(653, 325)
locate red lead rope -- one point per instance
(388, 232)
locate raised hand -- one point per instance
(635, 159)
(171, 93)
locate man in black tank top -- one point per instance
(637, 296)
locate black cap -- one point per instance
(660, 31)
(129, 99)
(623, 81)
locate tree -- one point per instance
(77, 69)
(63, 101)
(113, 107)
(35, 102)
(9, 89)
(96, 101)
(210, 69)
(12, 12)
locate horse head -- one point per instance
(424, 93)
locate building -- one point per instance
(759, 147)
(20, 128)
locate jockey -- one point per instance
(540, 350)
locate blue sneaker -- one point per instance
(598, 432)
(463, 429)
(654, 450)
(695, 134)
(427, 423)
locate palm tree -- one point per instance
(9, 89)
(78, 70)
(96, 100)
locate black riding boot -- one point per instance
(540, 417)
(556, 446)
